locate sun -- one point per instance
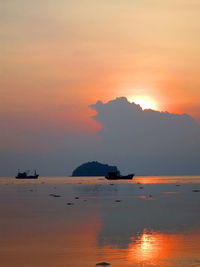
(145, 102)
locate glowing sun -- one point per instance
(145, 102)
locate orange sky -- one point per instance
(61, 56)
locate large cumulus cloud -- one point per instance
(147, 141)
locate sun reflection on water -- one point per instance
(149, 247)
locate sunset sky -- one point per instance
(61, 56)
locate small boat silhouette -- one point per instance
(24, 175)
(117, 176)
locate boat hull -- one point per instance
(125, 177)
(27, 177)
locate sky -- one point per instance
(60, 57)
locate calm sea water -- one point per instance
(149, 221)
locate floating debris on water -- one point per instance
(103, 264)
(54, 195)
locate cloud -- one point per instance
(147, 141)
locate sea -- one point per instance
(91, 221)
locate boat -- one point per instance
(25, 175)
(117, 176)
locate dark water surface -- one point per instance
(150, 221)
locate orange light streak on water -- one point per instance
(157, 249)
(151, 248)
(165, 179)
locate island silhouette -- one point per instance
(94, 168)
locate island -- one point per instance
(94, 168)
